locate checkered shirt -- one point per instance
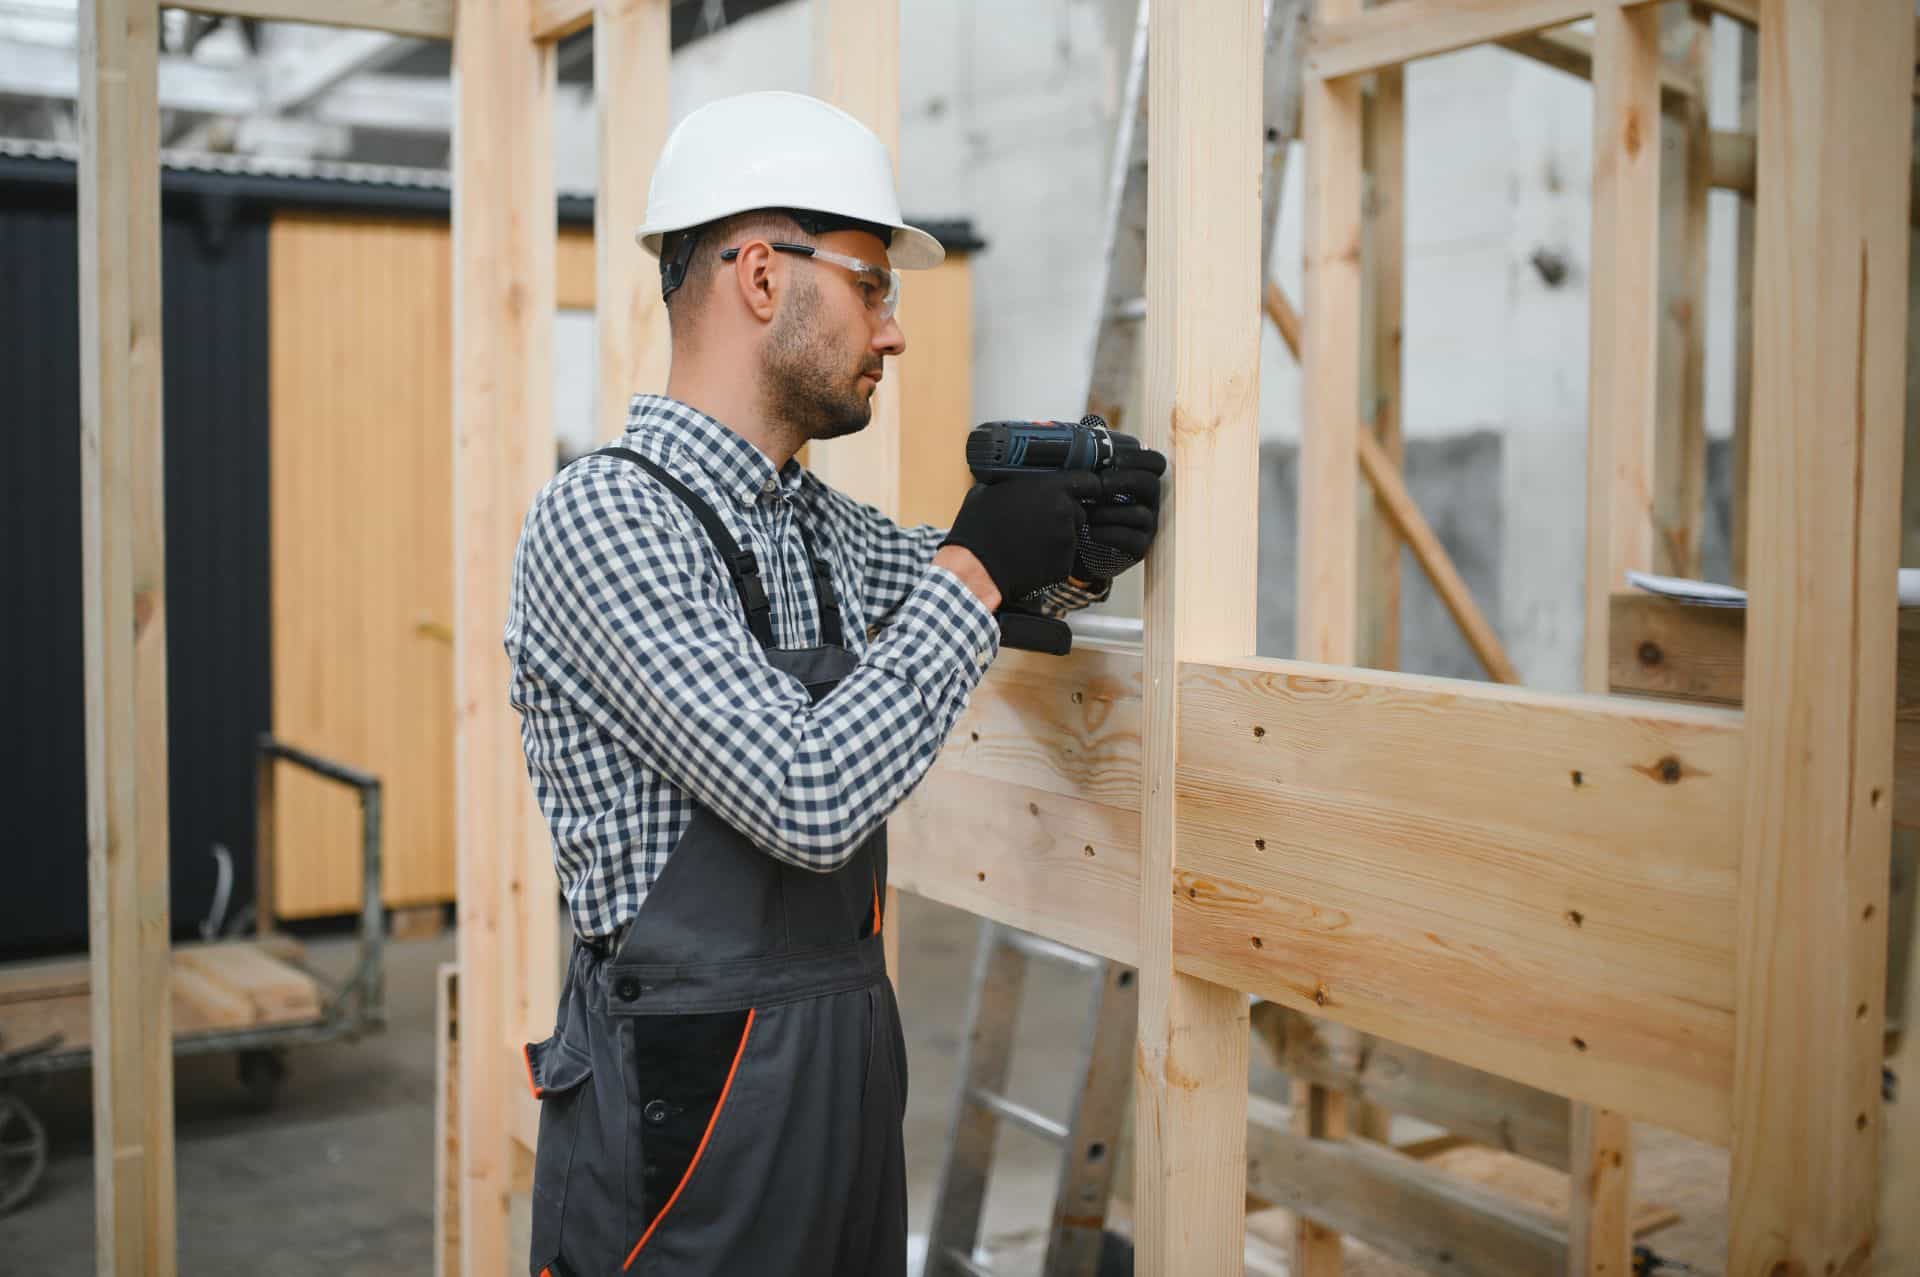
(641, 691)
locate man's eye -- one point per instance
(869, 292)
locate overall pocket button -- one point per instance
(628, 989)
(656, 1112)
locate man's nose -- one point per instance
(890, 338)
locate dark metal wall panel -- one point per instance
(214, 274)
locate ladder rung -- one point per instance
(1038, 947)
(965, 1263)
(1019, 1114)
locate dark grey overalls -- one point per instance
(726, 1080)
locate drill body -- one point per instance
(1002, 450)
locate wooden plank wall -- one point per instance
(123, 592)
(362, 490)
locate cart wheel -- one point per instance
(261, 1071)
(23, 1152)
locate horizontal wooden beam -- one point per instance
(1686, 652)
(1466, 1102)
(1434, 559)
(1733, 159)
(1572, 52)
(429, 19)
(1391, 34)
(558, 19)
(1540, 886)
(1419, 1215)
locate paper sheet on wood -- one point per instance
(1711, 594)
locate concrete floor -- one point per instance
(336, 1178)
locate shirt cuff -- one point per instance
(942, 638)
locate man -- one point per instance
(727, 675)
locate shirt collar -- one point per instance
(712, 451)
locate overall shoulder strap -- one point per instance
(824, 598)
(742, 567)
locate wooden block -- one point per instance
(1683, 651)
(277, 992)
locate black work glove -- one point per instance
(1024, 531)
(1121, 525)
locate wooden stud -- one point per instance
(429, 19)
(1828, 365)
(1328, 575)
(1680, 438)
(1348, 41)
(632, 41)
(123, 568)
(503, 249)
(1202, 373)
(1327, 618)
(856, 66)
(1622, 403)
(1385, 145)
(1622, 425)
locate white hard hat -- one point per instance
(778, 150)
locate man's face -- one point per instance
(824, 357)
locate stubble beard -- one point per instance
(802, 378)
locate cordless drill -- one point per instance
(1000, 450)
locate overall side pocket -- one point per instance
(557, 1074)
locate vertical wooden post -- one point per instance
(1680, 444)
(503, 302)
(1828, 366)
(1622, 423)
(1385, 146)
(123, 564)
(1328, 580)
(1202, 371)
(856, 66)
(632, 46)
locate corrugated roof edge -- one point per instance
(329, 184)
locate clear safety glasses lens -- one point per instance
(879, 287)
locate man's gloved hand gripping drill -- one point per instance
(728, 674)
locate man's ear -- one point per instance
(757, 280)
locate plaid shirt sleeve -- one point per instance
(897, 556)
(624, 602)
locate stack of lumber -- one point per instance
(234, 984)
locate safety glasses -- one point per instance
(879, 288)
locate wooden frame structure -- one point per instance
(1662, 912)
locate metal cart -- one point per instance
(347, 1010)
